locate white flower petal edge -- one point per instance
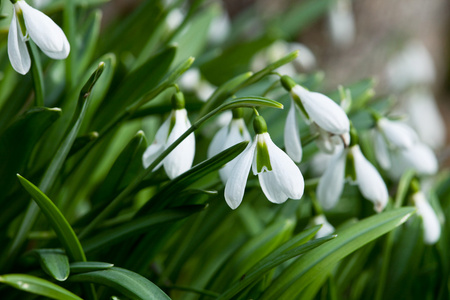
(324, 111)
(326, 228)
(17, 49)
(180, 159)
(217, 143)
(292, 140)
(331, 183)
(158, 145)
(431, 225)
(398, 133)
(48, 36)
(235, 187)
(381, 150)
(285, 180)
(369, 180)
(422, 159)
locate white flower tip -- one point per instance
(379, 206)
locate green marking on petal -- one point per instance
(262, 157)
(350, 170)
(299, 103)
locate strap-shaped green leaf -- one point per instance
(308, 267)
(63, 230)
(88, 266)
(39, 286)
(54, 262)
(130, 284)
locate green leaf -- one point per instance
(293, 247)
(193, 37)
(130, 284)
(223, 92)
(184, 180)
(39, 286)
(18, 142)
(87, 38)
(65, 233)
(310, 266)
(88, 266)
(54, 262)
(137, 226)
(135, 85)
(251, 252)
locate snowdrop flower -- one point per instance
(324, 115)
(27, 23)
(192, 81)
(398, 148)
(219, 29)
(412, 66)
(174, 19)
(431, 225)
(341, 22)
(278, 175)
(180, 159)
(326, 228)
(349, 163)
(425, 117)
(226, 137)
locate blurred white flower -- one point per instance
(398, 148)
(278, 175)
(305, 61)
(174, 18)
(326, 228)
(424, 117)
(369, 181)
(412, 66)
(341, 22)
(219, 29)
(191, 81)
(431, 225)
(27, 23)
(180, 159)
(226, 137)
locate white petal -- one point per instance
(235, 187)
(292, 140)
(323, 141)
(423, 159)
(431, 225)
(324, 111)
(331, 183)
(217, 143)
(48, 36)
(369, 180)
(150, 154)
(17, 49)
(158, 145)
(285, 180)
(397, 133)
(381, 150)
(180, 159)
(326, 228)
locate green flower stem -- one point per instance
(238, 102)
(36, 71)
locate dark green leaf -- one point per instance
(130, 284)
(39, 286)
(65, 233)
(88, 266)
(54, 262)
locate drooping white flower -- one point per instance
(180, 159)
(192, 81)
(413, 65)
(326, 228)
(431, 225)
(341, 22)
(398, 148)
(226, 137)
(27, 23)
(425, 117)
(278, 175)
(324, 115)
(366, 176)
